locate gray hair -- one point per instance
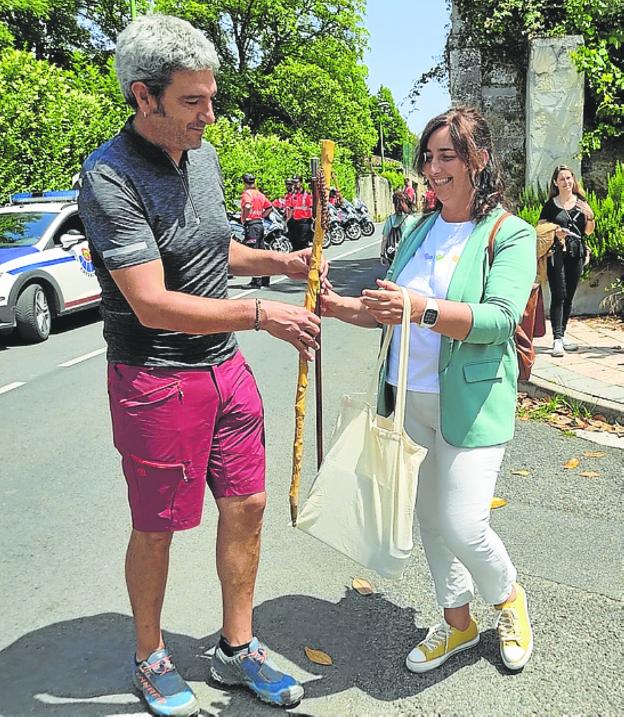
(153, 47)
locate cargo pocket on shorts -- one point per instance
(159, 494)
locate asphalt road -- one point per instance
(65, 630)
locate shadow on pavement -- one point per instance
(80, 668)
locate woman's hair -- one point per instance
(401, 202)
(153, 47)
(553, 189)
(470, 135)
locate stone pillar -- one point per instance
(554, 117)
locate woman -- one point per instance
(568, 208)
(462, 377)
(395, 227)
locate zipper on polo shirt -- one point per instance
(187, 189)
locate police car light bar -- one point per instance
(63, 195)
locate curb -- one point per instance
(539, 387)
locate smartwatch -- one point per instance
(430, 315)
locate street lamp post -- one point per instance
(383, 106)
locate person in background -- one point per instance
(568, 208)
(409, 191)
(254, 208)
(299, 216)
(395, 227)
(429, 201)
(462, 378)
(185, 408)
(280, 203)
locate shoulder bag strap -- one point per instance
(494, 232)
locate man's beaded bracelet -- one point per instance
(258, 309)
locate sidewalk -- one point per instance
(594, 374)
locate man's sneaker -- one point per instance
(253, 669)
(164, 691)
(441, 642)
(514, 631)
(569, 345)
(557, 349)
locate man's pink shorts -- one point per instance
(177, 430)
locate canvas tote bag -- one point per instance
(362, 500)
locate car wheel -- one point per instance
(33, 315)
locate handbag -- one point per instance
(362, 500)
(533, 322)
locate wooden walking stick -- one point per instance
(311, 303)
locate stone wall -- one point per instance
(601, 163)
(375, 192)
(554, 109)
(497, 88)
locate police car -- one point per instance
(45, 264)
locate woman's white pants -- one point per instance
(455, 489)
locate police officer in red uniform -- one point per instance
(299, 216)
(254, 207)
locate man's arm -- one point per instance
(156, 307)
(244, 261)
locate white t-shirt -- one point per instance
(428, 273)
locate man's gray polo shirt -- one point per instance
(138, 206)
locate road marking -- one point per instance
(11, 386)
(282, 277)
(84, 357)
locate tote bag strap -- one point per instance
(399, 409)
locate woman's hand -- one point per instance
(331, 302)
(561, 233)
(385, 304)
(585, 208)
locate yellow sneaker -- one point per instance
(514, 631)
(441, 642)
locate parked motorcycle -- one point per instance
(335, 233)
(350, 220)
(367, 226)
(275, 237)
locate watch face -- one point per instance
(430, 317)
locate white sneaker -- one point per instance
(558, 349)
(569, 345)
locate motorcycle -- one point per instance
(367, 226)
(349, 220)
(275, 237)
(335, 233)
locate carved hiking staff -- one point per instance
(321, 192)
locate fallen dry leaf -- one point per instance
(498, 503)
(572, 463)
(521, 473)
(589, 474)
(362, 586)
(318, 657)
(594, 454)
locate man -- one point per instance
(254, 207)
(281, 202)
(429, 200)
(299, 215)
(185, 408)
(408, 190)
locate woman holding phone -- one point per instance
(568, 208)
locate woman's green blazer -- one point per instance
(478, 376)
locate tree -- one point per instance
(396, 133)
(289, 65)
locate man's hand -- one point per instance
(298, 265)
(294, 324)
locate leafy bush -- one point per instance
(607, 241)
(395, 178)
(49, 122)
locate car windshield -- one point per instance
(23, 228)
